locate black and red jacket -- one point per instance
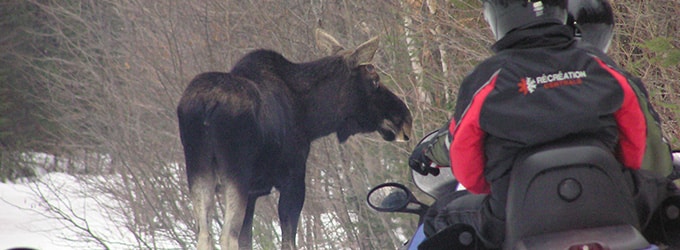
(540, 86)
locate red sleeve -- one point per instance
(467, 147)
(631, 123)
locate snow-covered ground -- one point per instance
(21, 224)
(57, 211)
(26, 222)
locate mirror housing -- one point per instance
(394, 197)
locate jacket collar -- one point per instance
(533, 36)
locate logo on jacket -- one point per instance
(528, 85)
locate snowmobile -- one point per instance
(565, 195)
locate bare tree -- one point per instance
(104, 77)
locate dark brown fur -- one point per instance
(250, 130)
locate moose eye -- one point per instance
(370, 69)
(372, 75)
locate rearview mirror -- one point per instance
(394, 197)
(388, 197)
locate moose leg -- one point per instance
(202, 191)
(245, 239)
(291, 200)
(235, 200)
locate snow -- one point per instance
(26, 222)
(21, 224)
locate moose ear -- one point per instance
(364, 53)
(327, 43)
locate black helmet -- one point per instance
(504, 16)
(593, 20)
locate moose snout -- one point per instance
(390, 131)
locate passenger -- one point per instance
(540, 86)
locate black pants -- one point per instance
(485, 213)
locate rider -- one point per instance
(593, 21)
(540, 86)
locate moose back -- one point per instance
(250, 129)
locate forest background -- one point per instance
(94, 85)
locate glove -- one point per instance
(419, 162)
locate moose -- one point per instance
(250, 130)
